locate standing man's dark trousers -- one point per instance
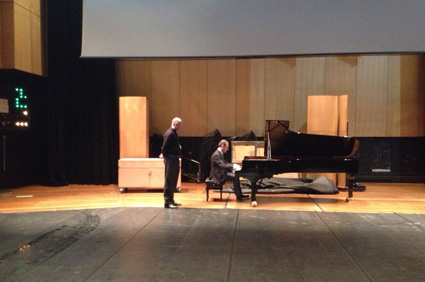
(171, 177)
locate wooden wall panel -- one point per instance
(341, 79)
(36, 45)
(194, 97)
(386, 93)
(371, 96)
(134, 78)
(22, 46)
(165, 95)
(421, 94)
(23, 56)
(121, 67)
(279, 93)
(7, 35)
(1, 36)
(32, 5)
(250, 75)
(221, 96)
(343, 115)
(134, 127)
(409, 95)
(322, 115)
(309, 80)
(393, 108)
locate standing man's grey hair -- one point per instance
(175, 121)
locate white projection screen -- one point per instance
(250, 28)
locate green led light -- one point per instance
(20, 97)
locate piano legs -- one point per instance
(350, 179)
(254, 189)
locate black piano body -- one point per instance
(288, 151)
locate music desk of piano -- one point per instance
(298, 152)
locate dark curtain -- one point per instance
(83, 105)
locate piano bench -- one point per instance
(209, 185)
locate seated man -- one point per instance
(221, 170)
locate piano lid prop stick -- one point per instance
(269, 147)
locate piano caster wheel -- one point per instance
(253, 204)
(348, 199)
(123, 190)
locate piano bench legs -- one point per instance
(209, 185)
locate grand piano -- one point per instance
(289, 151)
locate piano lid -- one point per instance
(284, 143)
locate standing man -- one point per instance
(221, 170)
(170, 152)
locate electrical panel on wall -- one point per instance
(14, 108)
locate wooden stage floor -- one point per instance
(378, 198)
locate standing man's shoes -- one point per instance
(170, 206)
(177, 204)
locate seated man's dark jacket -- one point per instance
(219, 168)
